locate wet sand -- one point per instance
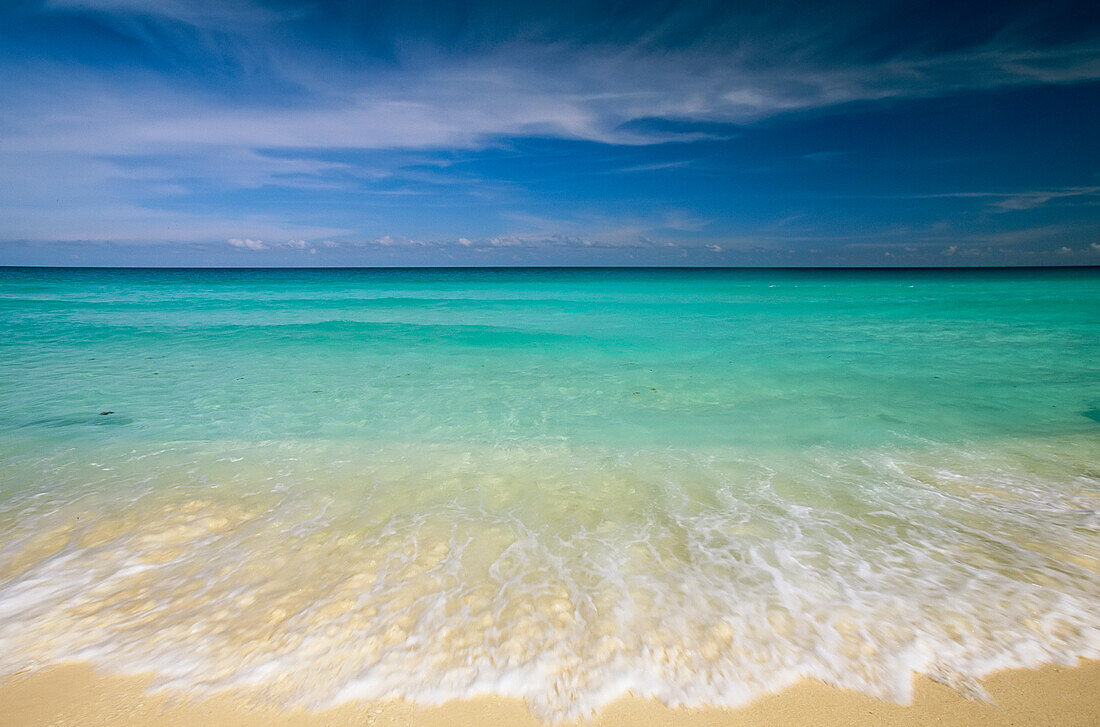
(75, 694)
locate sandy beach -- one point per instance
(76, 695)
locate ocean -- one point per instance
(563, 485)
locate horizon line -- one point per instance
(551, 267)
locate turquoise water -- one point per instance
(699, 485)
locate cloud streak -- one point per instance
(428, 97)
(244, 122)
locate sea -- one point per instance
(319, 486)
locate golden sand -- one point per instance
(76, 695)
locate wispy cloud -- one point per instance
(240, 123)
(212, 16)
(654, 167)
(1011, 201)
(1031, 200)
(429, 98)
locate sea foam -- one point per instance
(562, 576)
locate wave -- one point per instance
(560, 576)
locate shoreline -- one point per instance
(77, 694)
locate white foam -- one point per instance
(568, 578)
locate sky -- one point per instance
(289, 133)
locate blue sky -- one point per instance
(241, 132)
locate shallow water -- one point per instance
(554, 484)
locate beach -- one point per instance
(1066, 696)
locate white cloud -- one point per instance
(126, 119)
(247, 244)
(515, 89)
(656, 167)
(999, 201)
(603, 238)
(250, 244)
(1031, 200)
(200, 14)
